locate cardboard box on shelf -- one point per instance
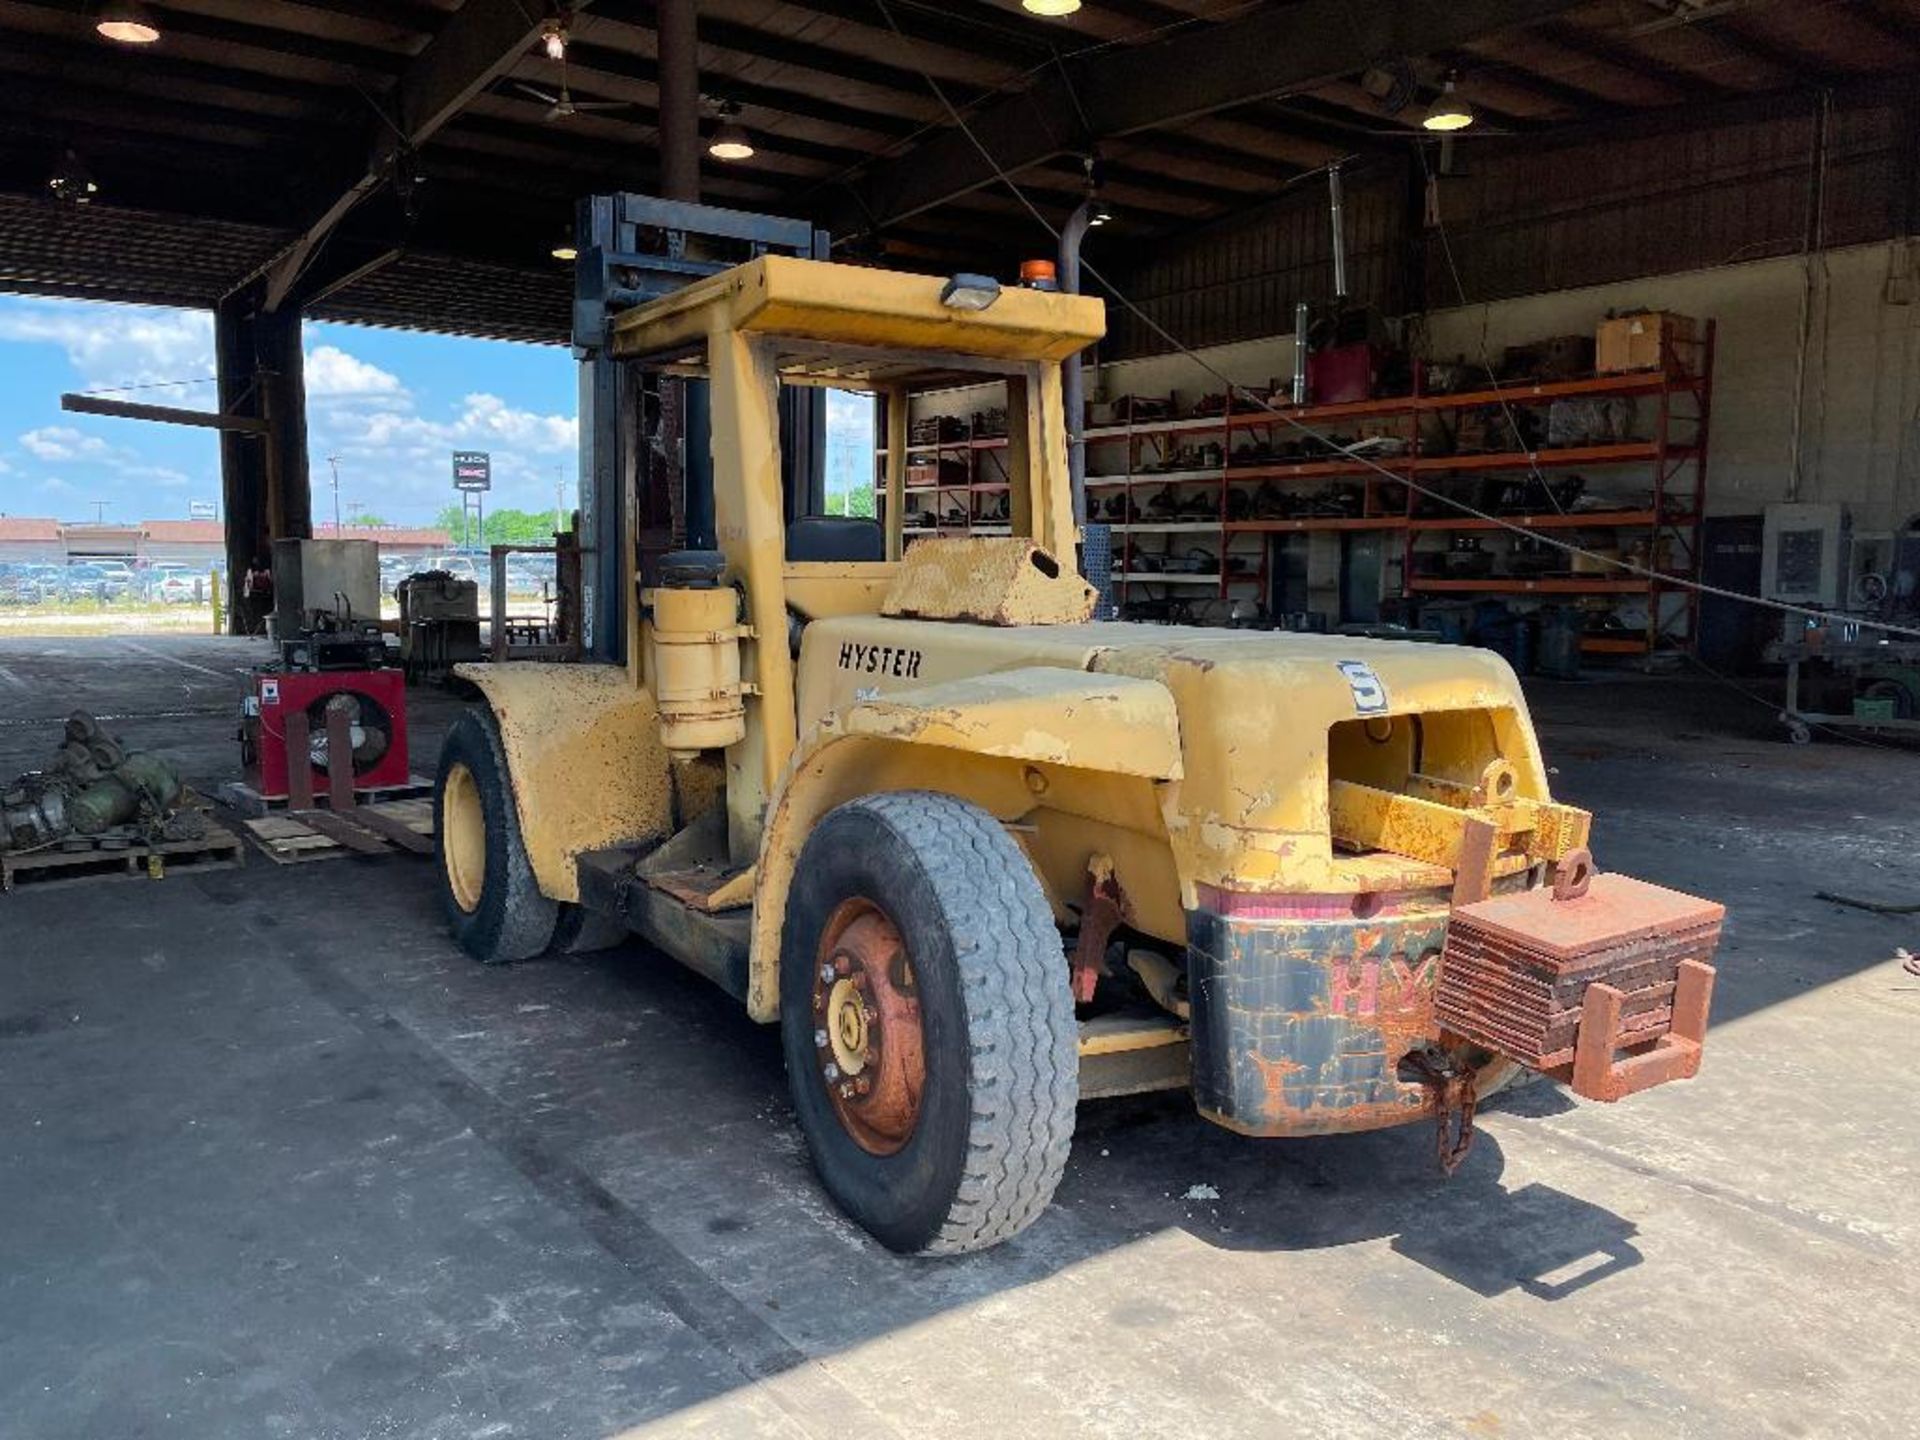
(1636, 342)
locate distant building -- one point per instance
(192, 542)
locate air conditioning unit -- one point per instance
(375, 704)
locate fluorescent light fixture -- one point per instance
(1052, 9)
(565, 251)
(1449, 112)
(127, 22)
(1101, 214)
(970, 292)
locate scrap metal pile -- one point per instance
(94, 786)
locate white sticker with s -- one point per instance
(269, 692)
(1369, 695)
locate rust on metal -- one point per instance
(1473, 868)
(1563, 979)
(339, 757)
(299, 760)
(1675, 1055)
(1103, 908)
(1454, 1103)
(869, 1047)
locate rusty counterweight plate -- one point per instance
(1616, 910)
(1515, 970)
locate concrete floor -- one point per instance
(279, 1161)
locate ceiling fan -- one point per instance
(563, 105)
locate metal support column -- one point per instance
(264, 480)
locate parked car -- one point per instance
(154, 581)
(47, 579)
(88, 580)
(461, 567)
(119, 577)
(179, 585)
(19, 584)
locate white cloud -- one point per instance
(54, 485)
(114, 345)
(163, 476)
(334, 374)
(57, 443)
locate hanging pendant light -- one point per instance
(1052, 9)
(1449, 112)
(127, 22)
(730, 138)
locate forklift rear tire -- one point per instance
(492, 901)
(927, 1022)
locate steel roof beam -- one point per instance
(479, 42)
(1198, 71)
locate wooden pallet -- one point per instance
(247, 801)
(115, 858)
(300, 836)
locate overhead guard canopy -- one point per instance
(850, 325)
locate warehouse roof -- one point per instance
(228, 150)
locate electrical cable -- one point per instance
(151, 385)
(1262, 403)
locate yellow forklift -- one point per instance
(981, 856)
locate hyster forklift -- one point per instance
(979, 855)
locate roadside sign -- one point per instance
(472, 470)
(200, 510)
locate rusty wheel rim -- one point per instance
(868, 1046)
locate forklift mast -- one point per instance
(631, 249)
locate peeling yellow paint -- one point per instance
(584, 752)
(991, 580)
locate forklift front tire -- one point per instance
(492, 902)
(927, 1023)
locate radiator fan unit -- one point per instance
(373, 703)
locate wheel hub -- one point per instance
(868, 1045)
(463, 837)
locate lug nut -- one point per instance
(826, 974)
(842, 965)
(819, 1039)
(832, 1072)
(862, 1085)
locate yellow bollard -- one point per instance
(213, 583)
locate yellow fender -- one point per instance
(583, 749)
(1095, 745)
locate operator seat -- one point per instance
(842, 538)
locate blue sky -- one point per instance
(390, 404)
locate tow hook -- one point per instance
(1454, 1101)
